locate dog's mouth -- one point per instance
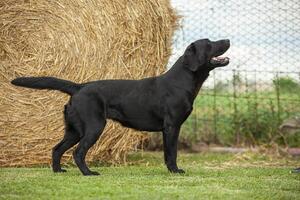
(219, 61)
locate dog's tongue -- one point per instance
(218, 60)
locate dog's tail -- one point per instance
(50, 83)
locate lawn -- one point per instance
(250, 118)
(209, 176)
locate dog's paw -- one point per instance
(180, 171)
(177, 171)
(92, 173)
(59, 170)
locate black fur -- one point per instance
(48, 83)
(159, 103)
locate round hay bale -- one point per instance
(79, 41)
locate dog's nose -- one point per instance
(227, 42)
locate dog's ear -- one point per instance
(194, 57)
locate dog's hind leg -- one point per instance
(93, 131)
(90, 108)
(70, 139)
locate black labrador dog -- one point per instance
(159, 103)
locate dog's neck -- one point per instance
(185, 78)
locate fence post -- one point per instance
(235, 118)
(255, 101)
(277, 86)
(215, 108)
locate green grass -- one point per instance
(253, 117)
(209, 176)
(244, 114)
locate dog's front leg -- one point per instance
(170, 138)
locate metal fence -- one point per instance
(247, 101)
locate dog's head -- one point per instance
(206, 55)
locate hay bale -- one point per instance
(79, 41)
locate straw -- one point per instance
(79, 41)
